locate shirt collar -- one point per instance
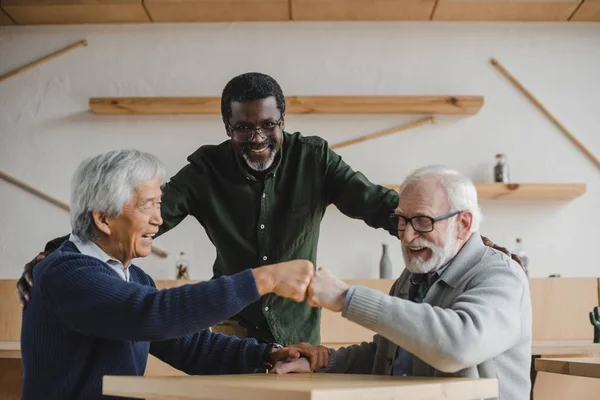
(89, 248)
(430, 277)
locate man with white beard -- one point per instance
(459, 309)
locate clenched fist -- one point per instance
(287, 279)
(327, 290)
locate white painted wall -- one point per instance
(46, 128)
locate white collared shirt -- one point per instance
(91, 249)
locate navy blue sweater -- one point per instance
(84, 322)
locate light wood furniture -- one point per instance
(587, 367)
(466, 105)
(561, 307)
(41, 12)
(217, 10)
(525, 191)
(299, 387)
(589, 11)
(10, 349)
(565, 348)
(360, 10)
(505, 10)
(567, 378)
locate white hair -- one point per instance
(460, 190)
(105, 183)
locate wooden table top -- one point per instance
(10, 349)
(561, 347)
(317, 386)
(588, 367)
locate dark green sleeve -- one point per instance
(355, 196)
(180, 197)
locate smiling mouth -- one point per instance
(417, 251)
(259, 148)
(148, 236)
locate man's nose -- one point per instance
(409, 234)
(258, 136)
(156, 218)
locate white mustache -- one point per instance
(419, 242)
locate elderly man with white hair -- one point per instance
(459, 309)
(94, 313)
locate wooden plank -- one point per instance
(554, 387)
(524, 191)
(505, 10)
(41, 12)
(11, 379)
(10, 310)
(10, 349)
(587, 367)
(217, 10)
(563, 348)
(300, 387)
(295, 105)
(5, 19)
(360, 10)
(589, 11)
(385, 132)
(41, 60)
(561, 306)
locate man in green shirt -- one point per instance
(261, 196)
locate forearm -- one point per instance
(97, 304)
(207, 353)
(447, 339)
(355, 359)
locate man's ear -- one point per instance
(464, 222)
(102, 222)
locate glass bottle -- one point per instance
(501, 169)
(385, 264)
(182, 267)
(520, 251)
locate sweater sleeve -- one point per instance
(82, 293)
(482, 323)
(209, 353)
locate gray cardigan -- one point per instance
(475, 321)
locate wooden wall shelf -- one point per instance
(466, 105)
(526, 191)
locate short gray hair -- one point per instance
(105, 183)
(462, 194)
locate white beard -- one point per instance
(439, 255)
(260, 166)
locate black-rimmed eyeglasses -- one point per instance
(247, 133)
(420, 223)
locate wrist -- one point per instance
(272, 348)
(341, 300)
(265, 282)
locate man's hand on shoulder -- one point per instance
(504, 250)
(25, 283)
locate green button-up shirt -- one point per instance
(257, 222)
